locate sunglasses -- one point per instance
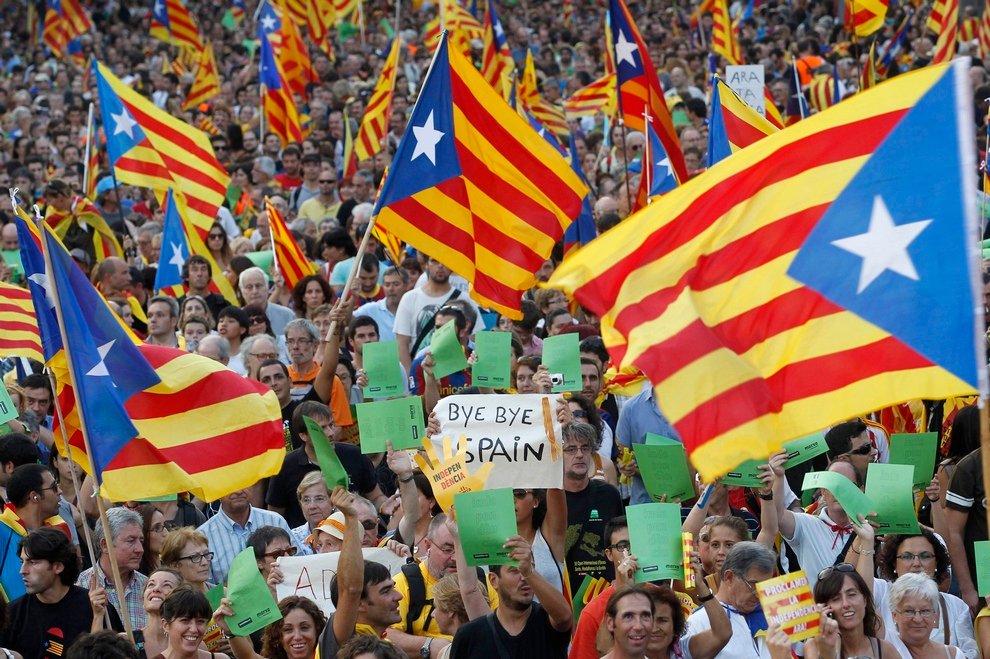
(279, 553)
(865, 449)
(841, 568)
(520, 494)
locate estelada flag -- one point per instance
(778, 292)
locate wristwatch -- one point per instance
(424, 651)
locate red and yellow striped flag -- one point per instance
(717, 293)
(868, 77)
(83, 211)
(321, 18)
(496, 59)
(172, 23)
(288, 257)
(983, 32)
(461, 26)
(65, 20)
(944, 22)
(374, 124)
(545, 112)
(864, 17)
(19, 334)
(203, 429)
(280, 111)
(599, 96)
(723, 38)
(206, 84)
(770, 110)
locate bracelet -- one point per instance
(406, 480)
(706, 598)
(765, 497)
(864, 553)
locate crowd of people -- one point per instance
(139, 587)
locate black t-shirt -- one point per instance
(966, 493)
(588, 511)
(538, 639)
(44, 631)
(287, 418)
(282, 488)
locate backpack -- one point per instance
(417, 594)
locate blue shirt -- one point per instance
(378, 311)
(228, 538)
(639, 416)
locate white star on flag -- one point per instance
(624, 49)
(268, 23)
(427, 138)
(884, 246)
(123, 123)
(41, 279)
(159, 8)
(100, 369)
(178, 260)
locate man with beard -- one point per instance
(519, 628)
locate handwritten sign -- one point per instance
(310, 576)
(519, 436)
(747, 81)
(787, 601)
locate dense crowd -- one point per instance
(143, 590)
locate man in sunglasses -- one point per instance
(851, 442)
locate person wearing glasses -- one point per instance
(914, 602)
(923, 554)
(271, 543)
(326, 203)
(218, 243)
(151, 639)
(188, 552)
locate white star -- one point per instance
(178, 260)
(41, 279)
(268, 23)
(884, 246)
(427, 138)
(159, 8)
(499, 32)
(123, 123)
(624, 49)
(665, 163)
(101, 367)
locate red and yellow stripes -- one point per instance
(203, 429)
(19, 334)
(695, 291)
(723, 37)
(548, 114)
(864, 17)
(374, 124)
(292, 54)
(496, 59)
(84, 211)
(743, 124)
(289, 258)
(983, 32)
(206, 84)
(944, 21)
(182, 30)
(599, 96)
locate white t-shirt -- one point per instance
(815, 544)
(741, 645)
(961, 632)
(416, 308)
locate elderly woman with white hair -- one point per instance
(915, 606)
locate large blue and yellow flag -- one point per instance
(175, 250)
(105, 366)
(782, 290)
(474, 186)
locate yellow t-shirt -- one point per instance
(982, 618)
(402, 585)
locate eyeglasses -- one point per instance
(621, 545)
(319, 498)
(579, 414)
(264, 355)
(328, 182)
(279, 553)
(841, 567)
(924, 556)
(159, 528)
(216, 236)
(53, 487)
(865, 449)
(751, 584)
(911, 613)
(298, 342)
(571, 450)
(198, 558)
(256, 319)
(521, 494)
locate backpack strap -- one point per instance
(499, 645)
(417, 594)
(427, 327)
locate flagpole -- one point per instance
(89, 151)
(625, 161)
(111, 554)
(398, 14)
(646, 162)
(75, 478)
(361, 22)
(346, 294)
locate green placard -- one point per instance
(918, 449)
(745, 475)
(493, 367)
(214, 595)
(253, 604)
(12, 258)
(399, 420)
(262, 259)
(981, 550)
(333, 471)
(485, 520)
(890, 489)
(447, 351)
(381, 365)
(802, 449)
(8, 410)
(655, 539)
(664, 469)
(850, 497)
(562, 357)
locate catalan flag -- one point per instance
(92, 170)
(864, 17)
(174, 251)
(206, 84)
(83, 212)
(288, 257)
(281, 116)
(734, 125)
(723, 37)
(599, 96)
(656, 176)
(233, 16)
(868, 76)
(983, 32)
(639, 88)
(461, 26)
(321, 16)
(824, 91)
(887, 57)
(204, 429)
(944, 21)
(65, 21)
(349, 164)
(797, 104)
(19, 335)
(287, 47)
(475, 187)
(172, 23)
(374, 124)
(770, 110)
(547, 113)
(718, 293)
(103, 364)
(496, 59)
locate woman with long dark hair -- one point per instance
(846, 598)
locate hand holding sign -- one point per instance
(449, 474)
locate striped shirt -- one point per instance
(133, 594)
(228, 538)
